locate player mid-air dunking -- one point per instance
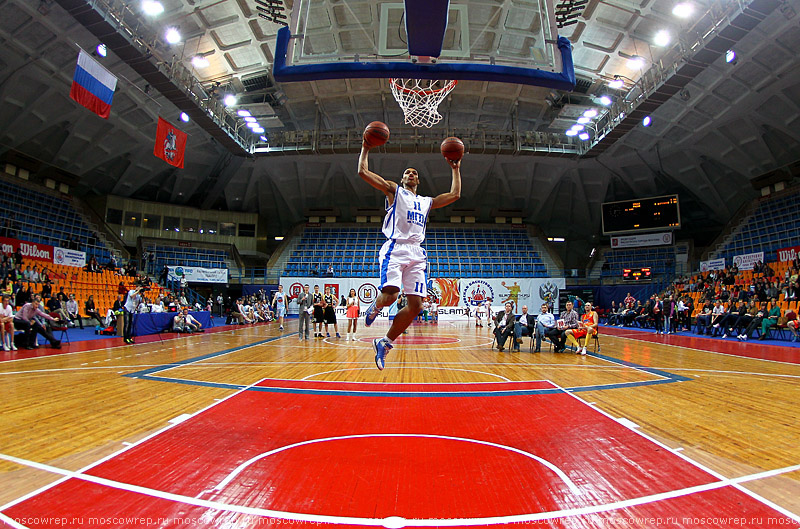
(402, 259)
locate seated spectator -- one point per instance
(755, 323)
(24, 295)
(112, 263)
(718, 315)
(770, 319)
(185, 322)
(73, 313)
(703, 319)
(524, 326)
(91, 311)
(643, 315)
(62, 296)
(6, 287)
(7, 323)
(25, 320)
(567, 321)
(54, 306)
(792, 323)
(504, 327)
(47, 289)
(35, 276)
(28, 274)
(729, 322)
(92, 266)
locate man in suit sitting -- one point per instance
(524, 326)
(504, 326)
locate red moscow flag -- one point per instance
(170, 143)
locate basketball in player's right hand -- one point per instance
(376, 134)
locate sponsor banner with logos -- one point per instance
(522, 291)
(457, 298)
(712, 264)
(788, 254)
(747, 261)
(64, 256)
(30, 250)
(195, 274)
(647, 239)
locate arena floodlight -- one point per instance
(229, 100)
(590, 113)
(102, 51)
(583, 120)
(584, 136)
(578, 126)
(251, 119)
(571, 132)
(152, 8)
(683, 10)
(662, 38)
(244, 113)
(616, 83)
(198, 61)
(253, 124)
(184, 117)
(605, 100)
(646, 121)
(258, 130)
(173, 36)
(730, 56)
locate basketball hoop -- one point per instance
(420, 98)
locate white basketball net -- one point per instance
(420, 98)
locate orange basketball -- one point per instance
(452, 148)
(376, 134)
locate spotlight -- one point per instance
(730, 56)
(605, 100)
(264, 139)
(229, 100)
(184, 117)
(646, 121)
(250, 119)
(617, 83)
(662, 38)
(244, 113)
(583, 120)
(683, 10)
(258, 130)
(152, 8)
(102, 51)
(590, 113)
(253, 125)
(584, 136)
(173, 36)
(198, 61)
(636, 62)
(571, 132)
(577, 127)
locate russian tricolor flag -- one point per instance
(93, 86)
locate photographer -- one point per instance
(185, 322)
(131, 304)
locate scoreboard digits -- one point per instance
(636, 274)
(644, 214)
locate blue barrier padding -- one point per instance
(460, 71)
(426, 22)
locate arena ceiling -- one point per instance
(734, 123)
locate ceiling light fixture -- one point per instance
(730, 56)
(184, 117)
(258, 130)
(571, 132)
(102, 51)
(250, 119)
(198, 61)
(683, 10)
(229, 100)
(636, 62)
(646, 121)
(662, 38)
(583, 120)
(152, 8)
(590, 113)
(605, 100)
(584, 136)
(244, 113)
(173, 36)
(616, 83)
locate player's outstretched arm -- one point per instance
(445, 199)
(374, 179)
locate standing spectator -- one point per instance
(7, 324)
(162, 278)
(25, 320)
(353, 310)
(305, 308)
(131, 304)
(220, 302)
(657, 313)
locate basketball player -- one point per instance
(280, 303)
(402, 260)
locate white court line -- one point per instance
(701, 350)
(12, 522)
(560, 473)
(735, 482)
(129, 446)
(408, 367)
(394, 521)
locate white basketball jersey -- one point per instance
(407, 216)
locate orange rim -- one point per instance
(426, 92)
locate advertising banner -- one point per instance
(64, 256)
(30, 251)
(788, 254)
(194, 274)
(712, 264)
(747, 261)
(647, 239)
(456, 298)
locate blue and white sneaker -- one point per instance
(371, 314)
(381, 347)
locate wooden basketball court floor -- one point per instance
(251, 427)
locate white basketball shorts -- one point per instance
(403, 265)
